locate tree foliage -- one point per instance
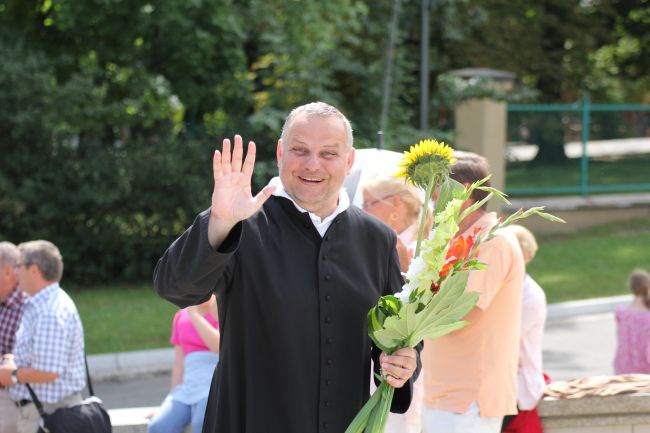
(110, 109)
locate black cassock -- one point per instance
(295, 354)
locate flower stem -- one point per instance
(425, 212)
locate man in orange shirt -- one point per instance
(470, 375)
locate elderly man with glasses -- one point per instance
(49, 349)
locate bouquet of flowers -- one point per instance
(433, 302)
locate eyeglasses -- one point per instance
(18, 265)
(371, 203)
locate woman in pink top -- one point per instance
(196, 338)
(633, 328)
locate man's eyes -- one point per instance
(325, 154)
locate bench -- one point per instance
(133, 420)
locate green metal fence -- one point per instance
(584, 108)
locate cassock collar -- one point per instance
(321, 224)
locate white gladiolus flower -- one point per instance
(405, 293)
(417, 266)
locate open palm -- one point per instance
(232, 199)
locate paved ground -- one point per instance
(580, 346)
(573, 347)
(147, 390)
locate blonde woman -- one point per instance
(530, 377)
(398, 205)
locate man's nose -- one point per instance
(312, 162)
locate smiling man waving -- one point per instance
(296, 269)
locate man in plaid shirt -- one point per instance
(11, 308)
(49, 348)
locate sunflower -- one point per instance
(425, 161)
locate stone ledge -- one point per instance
(625, 413)
(610, 405)
(130, 364)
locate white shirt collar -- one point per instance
(321, 224)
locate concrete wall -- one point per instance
(629, 413)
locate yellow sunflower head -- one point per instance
(426, 160)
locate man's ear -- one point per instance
(350, 161)
(278, 152)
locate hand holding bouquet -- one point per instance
(433, 302)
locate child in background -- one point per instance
(530, 378)
(195, 336)
(633, 328)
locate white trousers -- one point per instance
(8, 413)
(440, 421)
(29, 418)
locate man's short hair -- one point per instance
(9, 254)
(469, 168)
(318, 109)
(46, 256)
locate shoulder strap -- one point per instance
(88, 381)
(35, 399)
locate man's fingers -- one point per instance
(395, 383)
(237, 153)
(225, 157)
(264, 195)
(249, 162)
(216, 165)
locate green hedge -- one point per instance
(112, 211)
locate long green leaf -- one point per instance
(379, 417)
(360, 421)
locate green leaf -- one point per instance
(360, 421)
(449, 190)
(379, 417)
(552, 218)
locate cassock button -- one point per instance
(328, 298)
(329, 340)
(325, 257)
(328, 382)
(329, 362)
(328, 277)
(326, 425)
(328, 319)
(328, 403)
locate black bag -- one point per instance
(89, 416)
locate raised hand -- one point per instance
(232, 199)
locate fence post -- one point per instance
(584, 160)
(481, 128)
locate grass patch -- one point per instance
(601, 172)
(591, 263)
(123, 318)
